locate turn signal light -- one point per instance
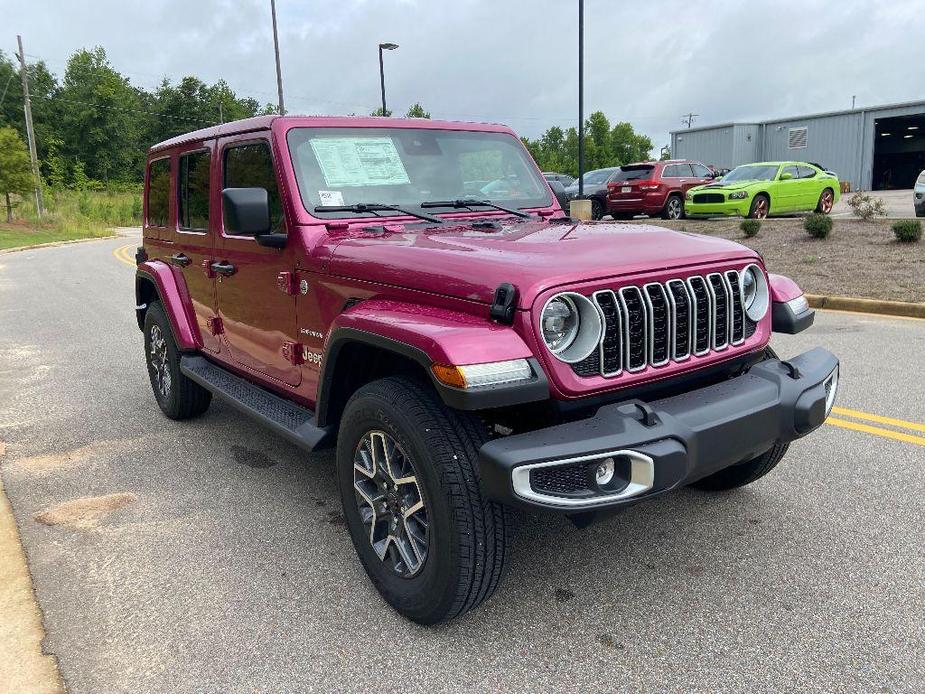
(476, 375)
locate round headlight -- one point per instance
(560, 323)
(571, 326)
(755, 294)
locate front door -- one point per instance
(788, 195)
(258, 318)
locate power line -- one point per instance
(130, 110)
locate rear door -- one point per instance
(258, 318)
(811, 186)
(701, 174)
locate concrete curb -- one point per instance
(53, 244)
(847, 303)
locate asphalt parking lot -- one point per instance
(223, 564)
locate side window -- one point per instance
(669, 171)
(806, 171)
(251, 166)
(193, 191)
(792, 170)
(700, 171)
(158, 192)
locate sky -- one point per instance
(648, 62)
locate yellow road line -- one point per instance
(124, 254)
(876, 431)
(879, 419)
(866, 314)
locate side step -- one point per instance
(297, 424)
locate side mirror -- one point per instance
(246, 211)
(561, 196)
(786, 176)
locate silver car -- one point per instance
(918, 195)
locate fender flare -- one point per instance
(428, 336)
(175, 299)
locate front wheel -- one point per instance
(826, 201)
(761, 207)
(407, 470)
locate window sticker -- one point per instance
(359, 161)
(331, 198)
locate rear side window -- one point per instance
(677, 171)
(632, 173)
(158, 192)
(193, 191)
(806, 171)
(251, 166)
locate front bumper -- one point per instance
(918, 200)
(730, 208)
(663, 444)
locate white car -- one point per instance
(918, 195)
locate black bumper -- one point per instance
(671, 442)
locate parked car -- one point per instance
(564, 179)
(328, 277)
(918, 195)
(654, 188)
(595, 189)
(768, 188)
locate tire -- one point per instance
(674, 208)
(740, 474)
(463, 556)
(826, 201)
(176, 395)
(761, 207)
(620, 215)
(597, 209)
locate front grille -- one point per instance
(660, 322)
(707, 198)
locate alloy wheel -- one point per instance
(390, 503)
(826, 203)
(761, 208)
(674, 208)
(159, 362)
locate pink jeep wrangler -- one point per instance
(409, 291)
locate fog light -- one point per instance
(831, 387)
(604, 472)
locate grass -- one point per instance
(70, 215)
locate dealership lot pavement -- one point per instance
(898, 204)
(211, 556)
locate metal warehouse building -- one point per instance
(875, 148)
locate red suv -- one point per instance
(654, 188)
(334, 279)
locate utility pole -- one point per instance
(581, 98)
(689, 118)
(279, 71)
(30, 134)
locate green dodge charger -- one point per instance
(760, 190)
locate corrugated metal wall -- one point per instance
(842, 142)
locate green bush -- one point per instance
(750, 227)
(908, 230)
(818, 225)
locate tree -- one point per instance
(379, 113)
(15, 168)
(417, 111)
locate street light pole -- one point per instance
(279, 72)
(581, 98)
(387, 47)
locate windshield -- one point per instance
(633, 173)
(766, 172)
(407, 166)
(593, 178)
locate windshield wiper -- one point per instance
(377, 207)
(467, 203)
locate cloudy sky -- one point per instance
(513, 61)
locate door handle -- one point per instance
(180, 259)
(226, 269)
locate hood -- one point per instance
(732, 185)
(469, 263)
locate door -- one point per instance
(702, 174)
(787, 197)
(258, 318)
(192, 240)
(810, 187)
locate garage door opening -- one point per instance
(899, 151)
